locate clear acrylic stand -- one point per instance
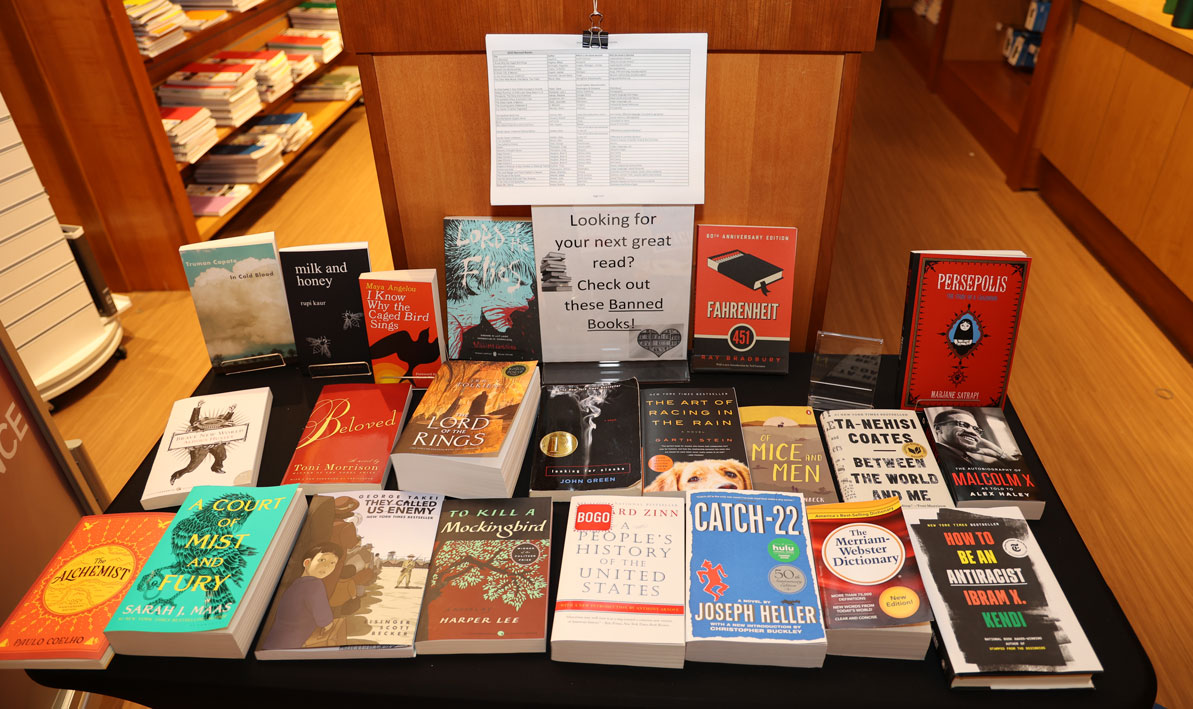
(844, 371)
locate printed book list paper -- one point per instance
(614, 282)
(623, 125)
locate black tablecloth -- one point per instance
(1128, 680)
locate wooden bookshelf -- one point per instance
(1001, 88)
(915, 37)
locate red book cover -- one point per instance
(348, 438)
(290, 39)
(263, 54)
(960, 322)
(179, 113)
(404, 326)
(744, 286)
(204, 68)
(60, 621)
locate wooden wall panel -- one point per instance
(1167, 232)
(972, 35)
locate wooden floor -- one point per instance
(1107, 399)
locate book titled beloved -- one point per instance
(881, 453)
(960, 323)
(236, 285)
(355, 580)
(215, 439)
(348, 439)
(323, 292)
(785, 452)
(404, 328)
(752, 591)
(588, 441)
(492, 310)
(744, 287)
(60, 621)
(692, 440)
(621, 596)
(1002, 617)
(205, 587)
(488, 582)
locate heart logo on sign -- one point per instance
(658, 342)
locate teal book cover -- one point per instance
(198, 573)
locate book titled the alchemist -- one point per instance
(60, 622)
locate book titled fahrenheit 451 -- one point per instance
(59, 623)
(348, 439)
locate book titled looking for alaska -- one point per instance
(692, 440)
(744, 288)
(59, 624)
(492, 310)
(355, 580)
(960, 323)
(323, 293)
(403, 324)
(785, 452)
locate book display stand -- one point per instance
(844, 371)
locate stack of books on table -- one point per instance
(301, 66)
(215, 200)
(191, 131)
(273, 71)
(234, 5)
(157, 25)
(202, 19)
(342, 84)
(244, 158)
(228, 90)
(293, 129)
(324, 45)
(315, 16)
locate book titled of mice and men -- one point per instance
(960, 323)
(745, 282)
(786, 454)
(1002, 617)
(621, 595)
(692, 440)
(752, 589)
(205, 587)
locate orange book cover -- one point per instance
(403, 325)
(60, 621)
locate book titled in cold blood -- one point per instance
(492, 310)
(621, 595)
(744, 288)
(488, 580)
(752, 590)
(403, 324)
(323, 291)
(355, 579)
(588, 441)
(785, 451)
(881, 453)
(59, 624)
(960, 323)
(1002, 617)
(981, 460)
(692, 440)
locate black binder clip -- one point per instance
(595, 36)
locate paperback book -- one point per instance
(489, 578)
(751, 584)
(323, 294)
(785, 451)
(492, 311)
(692, 440)
(355, 580)
(588, 441)
(402, 322)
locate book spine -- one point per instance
(909, 307)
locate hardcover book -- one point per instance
(960, 323)
(621, 595)
(492, 311)
(488, 581)
(355, 580)
(873, 596)
(205, 587)
(59, 623)
(980, 459)
(348, 439)
(751, 584)
(209, 440)
(1002, 617)
(588, 441)
(881, 453)
(404, 328)
(692, 440)
(744, 289)
(323, 293)
(236, 284)
(785, 451)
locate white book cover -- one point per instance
(880, 453)
(622, 579)
(216, 439)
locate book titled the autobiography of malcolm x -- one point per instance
(744, 289)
